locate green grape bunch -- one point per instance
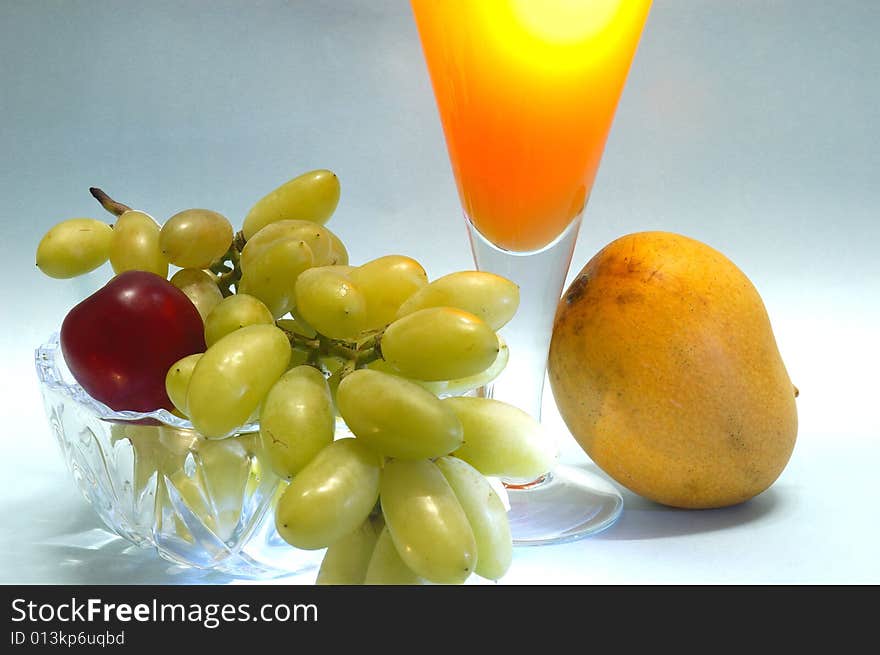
(357, 377)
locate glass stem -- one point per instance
(540, 276)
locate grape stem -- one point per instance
(112, 206)
(228, 267)
(357, 353)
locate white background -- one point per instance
(749, 125)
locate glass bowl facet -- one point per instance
(156, 482)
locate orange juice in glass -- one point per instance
(527, 91)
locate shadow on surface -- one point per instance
(644, 519)
(66, 543)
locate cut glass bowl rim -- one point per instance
(55, 376)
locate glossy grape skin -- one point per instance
(439, 343)
(312, 196)
(330, 302)
(120, 342)
(317, 237)
(74, 247)
(427, 523)
(233, 377)
(343, 270)
(382, 366)
(330, 497)
(297, 420)
(347, 559)
(396, 417)
(386, 283)
(385, 566)
(200, 287)
(135, 245)
(177, 380)
(491, 297)
(460, 386)
(195, 238)
(233, 313)
(272, 275)
(486, 515)
(338, 252)
(501, 440)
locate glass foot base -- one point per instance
(565, 505)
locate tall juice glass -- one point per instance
(527, 91)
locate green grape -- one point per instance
(386, 282)
(462, 385)
(200, 287)
(330, 302)
(427, 523)
(384, 367)
(491, 297)
(317, 238)
(396, 417)
(195, 238)
(74, 247)
(312, 196)
(330, 497)
(297, 420)
(347, 559)
(299, 355)
(486, 514)
(343, 270)
(177, 380)
(135, 245)
(338, 253)
(439, 343)
(233, 376)
(502, 440)
(458, 386)
(233, 313)
(334, 366)
(385, 566)
(272, 275)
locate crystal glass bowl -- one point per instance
(156, 482)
